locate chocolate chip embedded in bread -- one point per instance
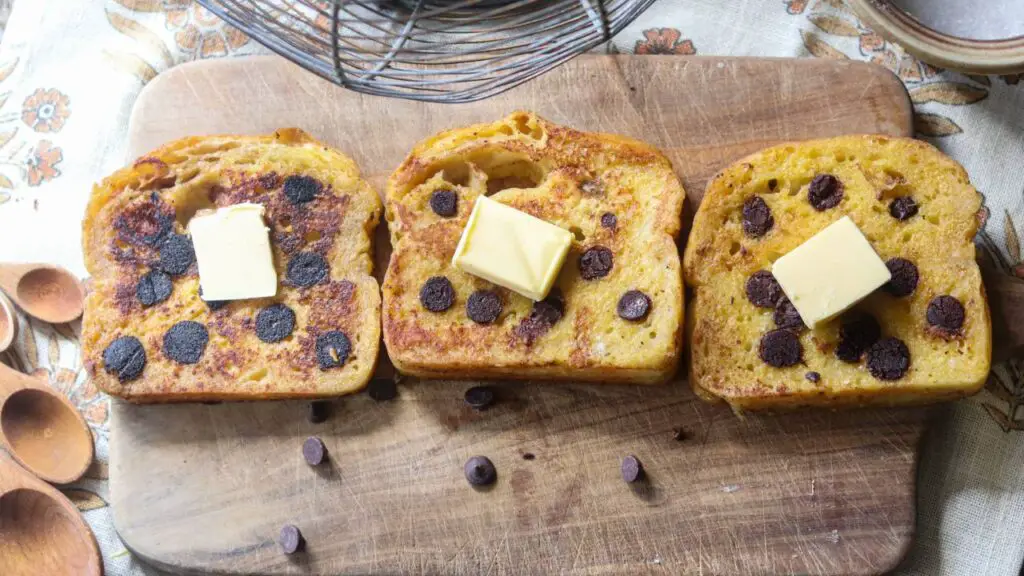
(176, 254)
(125, 358)
(904, 277)
(780, 348)
(596, 262)
(609, 220)
(856, 334)
(813, 377)
(902, 208)
(824, 192)
(275, 323)
(437, 294)
(946, 313)
(444, 203)
(301, 189)
(332, 349)
(480, 471)
(479, 397)
(633, 305)
(382, 389)
(313, 450)
(306, 269)
(185, 342)
(290, 540)
(786, 315)
(154, 287)
(483, 306)
(888, 359)
(757, 217)
(632, 470)
(542, 317)
(763, 290)
(318, 411)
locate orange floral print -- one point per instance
(796, 6)
(46, 110)
(42, 162)
(200, 32)
(664, 41)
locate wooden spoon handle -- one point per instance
(11, 381)
(10, 275)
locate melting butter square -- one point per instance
(232, 246)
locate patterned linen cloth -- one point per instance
(68, 82)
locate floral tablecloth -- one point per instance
(71, 70)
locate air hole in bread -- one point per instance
(256, 375)
(653, 334)
(530, 128)
(906, 236)
(934, 219)
(578, 233)
(285, 223)
(734, 248)
(187, 176)
(311, 236)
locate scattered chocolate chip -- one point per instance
(813, 377)
(888, 359)
(633, 305)
(773, 184)
(763, 289)
(437, 294)
(125, 358)
(632, 469)
(483, 306)
(786, 315)
(780, 348)
(824, 192)
(212, 304)
(480, 397)
(856, 334)
(528, 456)
(904, 277)
(318, 411)
(444, 203)
(275, 323)
(176, 254)
(382, 389)
(290, 540)
(757, 217)
(306, 269)
(480, 471)
(313, 450)
(153, 287)
(185, 342)
(609, 220)
(902, 208)
(542, 317)
(595, 262)
(592, 188)
(301, 189)
(946, 313)
(332, 349)
(678, 434)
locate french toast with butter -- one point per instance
(616, 309)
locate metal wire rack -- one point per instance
(432, 50)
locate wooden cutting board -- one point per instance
(205, 488)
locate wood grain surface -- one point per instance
(205, 488)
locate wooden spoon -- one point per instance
(42, 429)
(41, 530)
(8, 323)
(47, 292)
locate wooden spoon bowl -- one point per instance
(44, 291)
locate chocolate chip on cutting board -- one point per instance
(596, 262)
(306, 269)
(480, 397)
(437, 294)
(275, 323)
(856, 334)
(902, 208)
(318, 411)
(332, 349)
(480, 471)
(824, 192)
(780, 348)
(786, 315)
(301, 189)
(153, 287)
(904, 277)
(444, 203)
(290, 540)
(483, 306)
(763, 290)
(185, 342)
(888, 359)
(757, 217)
(314, 451)
(632, 470)
(609, 220)
(633, 306)
(176, 254)
(946, 313)
(382, 389)
(125, 358)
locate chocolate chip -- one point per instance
(332, 349)
(153, 287)
(437, 294)
(483, 306)
(609, 220)
(786, 315)
(813, 377)
(480, 397)
(542, 317)
(888, 359)
(480, 471)
(212, 304)
(290, 539)
(633, 305)
(632, 469)
(275, 323)
(780, 348)
(306, 269)
(946, 313)
(313, 450)
(856, 334)
(902, 208)
(904, 277)
(444, 203)
(763, 289)
(382, 389)
(185, 342)
(595, 262)
(301, 189)
(125, 358)
(824, 192)
(318, 411)
(757, 217)
(176, 254)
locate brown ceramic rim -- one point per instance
(1003, 56)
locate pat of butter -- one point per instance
(830, 272)
(511, 248)
(232, 248)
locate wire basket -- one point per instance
(432, 50)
